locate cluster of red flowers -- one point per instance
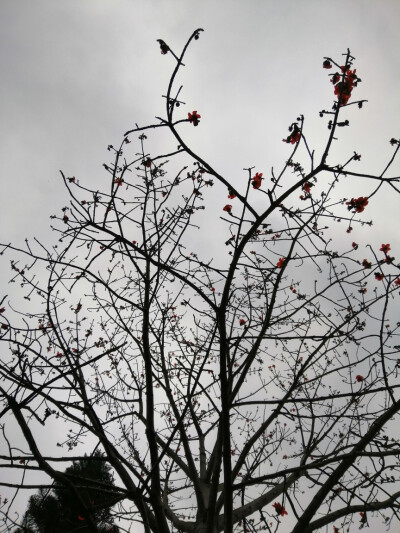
(194, 118)
(344, 87)
(366, 264)
(257, 180)
(294, 137)
(307, 186)
(358, 204)
(280, 509)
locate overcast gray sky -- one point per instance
(77, 74)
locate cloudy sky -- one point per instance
(77, 74)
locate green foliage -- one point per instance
(59, 510)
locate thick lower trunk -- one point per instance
(201, 527)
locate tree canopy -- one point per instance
(60, 509)
(226, 341)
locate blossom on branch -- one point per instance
(194, 118)
(385, 248)
(280, 509)
(227, 208)
(294, 137)
(257, 180)
(358, 204)
(281, 262)
(344, 88)
(307, 187)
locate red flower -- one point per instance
(231, 194)
(119, 181)
(80, 517)
(385, 248)
(257, 180)
(379, 276)
(147, 162)
(242, 321)
(307, 186)
(359, 378)
(280, 509)
(397, 281)
(327, 64)
(344, 88)
(335, 78)
(366, 264)
(294, 137)
(358, 204)
(72, 180)
(281, 262)
(354, 245)
(227, 208)
(335, 530)
(194, 118)
(65, 218)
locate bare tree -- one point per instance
(237, 365)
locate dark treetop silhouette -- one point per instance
(250, 391)
(58, 510)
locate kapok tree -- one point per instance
(252, 390)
